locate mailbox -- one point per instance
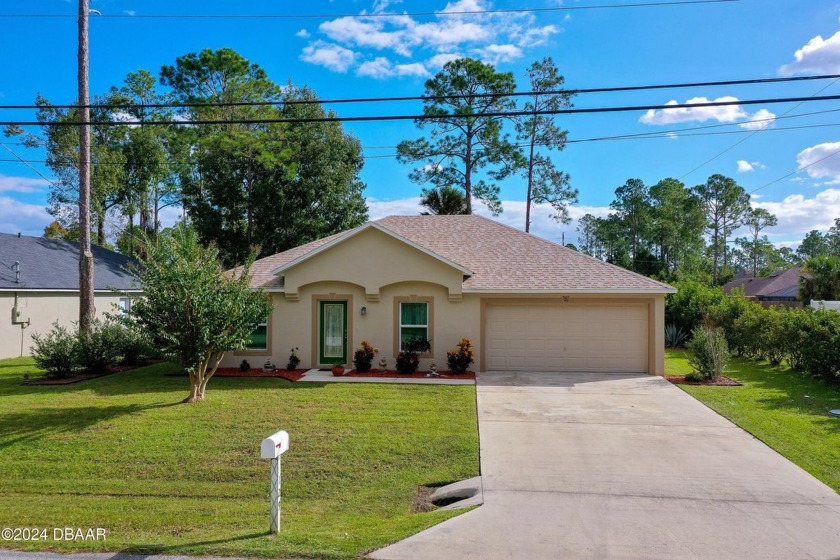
(274, 445)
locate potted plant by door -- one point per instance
(338, 370)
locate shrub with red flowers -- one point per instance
(363, 357)
(460, 359)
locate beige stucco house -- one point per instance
(526, 303)
(39, 285)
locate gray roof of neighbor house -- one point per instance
(53, 264)
(500, 258)
(783, 284)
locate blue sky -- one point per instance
(362, 57)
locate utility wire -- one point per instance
(640, 136)
(803, 168)
(742, 140)
(379, 14)
(753, 81)
(427, 117)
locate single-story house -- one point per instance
(39, 285)
(778, 289)
(525, 303)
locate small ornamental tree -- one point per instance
(192, 307)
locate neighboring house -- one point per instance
(526, 303)
(779, 289)
(39, 285)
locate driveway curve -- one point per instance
(582, 465)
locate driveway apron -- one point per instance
(587, 465)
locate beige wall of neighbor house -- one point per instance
(42, 309)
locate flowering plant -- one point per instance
(460, 359)
(363, 357)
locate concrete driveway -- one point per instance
(625, 466)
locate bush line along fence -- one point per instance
(806, 339)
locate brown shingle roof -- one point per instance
(783, 284)
(501, 258)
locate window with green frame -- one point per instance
(414, 321)
(258, 339)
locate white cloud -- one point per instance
(332, 56)
(682, 113)
(381, 68)
(17, 216)
(821, 161)
(413, 69)
(21, 184)
(819, 56)
(494, 54)
(462, 25)
(798, 214)
(745, 166)
(303, 34)
(759, 120)
(439, 60)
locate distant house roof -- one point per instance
(53, 264)
(782, 285)
(497, 257)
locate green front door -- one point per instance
(332, 332)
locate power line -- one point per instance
(751, 81)
(378, 14)
(639, 136)
(803, 168)
(742, 140)
(424, 117)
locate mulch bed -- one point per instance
(720, 382)
(415, 375)
(287, 374)
(85, 376)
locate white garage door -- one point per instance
(565, 337)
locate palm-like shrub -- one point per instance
(674, 336)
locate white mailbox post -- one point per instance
(272, 447)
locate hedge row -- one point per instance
(62, 352)
(807, 340)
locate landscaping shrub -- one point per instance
(687, 308)
(135, 346)
(708, 352)
(820, 355)
(244, 365)
(726, 311)
(363, 357)
(57, 352)
(746, 333)
(409, 359)
(294, 359)
(674, 336)
(460, 359)
(101, 347)
(791, 335)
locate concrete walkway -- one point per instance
(318, 376)
(625, 466)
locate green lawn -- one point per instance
(786, 410)
(122, 453)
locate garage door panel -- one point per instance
(561, 337)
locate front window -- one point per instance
(258, 339)
(414, 321)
